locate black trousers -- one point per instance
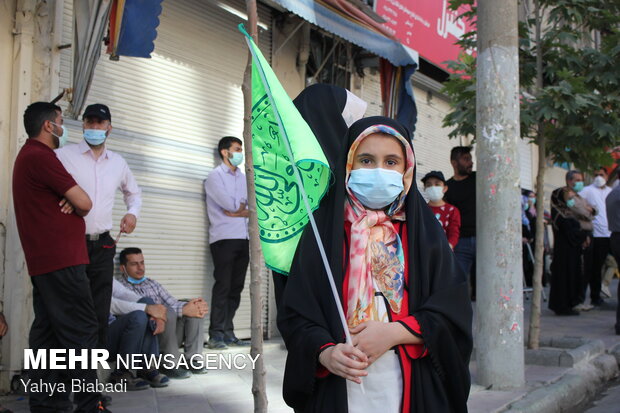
(230, 261)
(594, 258)
(100, 272)
(64, 317)
(279, 284)
(614, 243)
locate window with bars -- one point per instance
(332, 60)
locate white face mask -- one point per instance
(599, 182)
(62, 139)
(434, 193)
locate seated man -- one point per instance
(134, 323)
(184, 321)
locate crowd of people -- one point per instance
(63, 199)
(410, 318)
(584, 221)
(582, 258)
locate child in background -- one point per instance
(448, 215)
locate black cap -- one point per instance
(98, 110)
(434, 174)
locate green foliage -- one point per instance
(579, 103)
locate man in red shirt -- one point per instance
(49, 207)
(448, 215)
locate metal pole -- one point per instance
(258, 375)
(499, 333)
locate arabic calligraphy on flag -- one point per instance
(279, 131)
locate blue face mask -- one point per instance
(62, 139)
(94, 136)
(136, 282)
(376, 188)
(571, 202)
(236, 159)
(578, 186)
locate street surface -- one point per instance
(230, 391)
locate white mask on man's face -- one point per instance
(599, 181)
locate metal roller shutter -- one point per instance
(168, 114)
(525, 164)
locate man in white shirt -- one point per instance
(101, 172)
(134, 323)
(595, 255)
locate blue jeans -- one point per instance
(132, 334)
(465, 252)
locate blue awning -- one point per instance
(397, 53)
(139, 28)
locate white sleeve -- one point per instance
(122, 307)
(119, 291)
(586, 193)
(124, 301)
(132, 194)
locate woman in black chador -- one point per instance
(405, 298)
(329, 110)
(569, 238)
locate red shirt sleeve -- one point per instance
(454, 226)
(52, 174)
(414, 351)
(321, 370)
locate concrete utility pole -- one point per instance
(499, 335)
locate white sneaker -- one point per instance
(605, 291)
(583, 307)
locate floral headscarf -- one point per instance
(375, 250)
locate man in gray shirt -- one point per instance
(612, 202)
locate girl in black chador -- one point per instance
(405, 297)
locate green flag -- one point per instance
(279, 132)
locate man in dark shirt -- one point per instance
(462, 194)
(49, 207)
(612, 204)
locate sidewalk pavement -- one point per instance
(548, 388)
(560, 388)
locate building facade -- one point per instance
(168, 114)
